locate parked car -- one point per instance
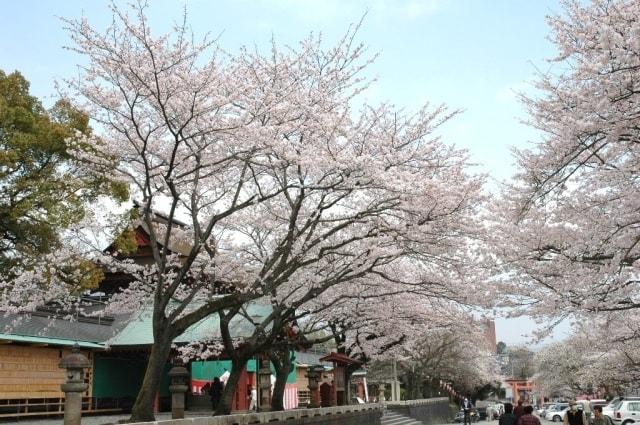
(627, 411)
(609, 408)
(598, 402)
(543, 409)
(482, 414)
(613, 404)
(557, 411)
(475, 416)
(498, 408)
(554, 409)
(560, 416)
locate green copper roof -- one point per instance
(49, 341)
(139, 330)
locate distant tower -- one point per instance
(490, 334)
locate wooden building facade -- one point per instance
(117, 347)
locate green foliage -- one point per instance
(126, 243)
(78, 274)
(124, 234)
(491, 390)
(43, 191)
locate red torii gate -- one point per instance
(522, 388)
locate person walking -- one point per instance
(508, 418)
(574, 416)
(599, 418)
(586, 408)
(466, 408)
(216, 392)
(519, 410)
(253, 398)
(527, 417)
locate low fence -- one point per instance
(361, 414)
(428, 411)
(50, 406)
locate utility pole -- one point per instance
(394, 388)
(414, 385)
(511, 361)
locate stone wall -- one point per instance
(428, 411)
(363, 414)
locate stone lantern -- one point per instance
(179, 376)
(381, 397)
(314, 374)
(264, 384)
(75, 363)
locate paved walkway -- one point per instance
(93, 420)
(390, 418)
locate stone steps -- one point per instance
(394, 418)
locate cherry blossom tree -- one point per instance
(448, 348)
(289, 191)
(457, 355)
(614, 351)
(577, 365)
(370, 313)
(431, 329)
(369, 319)
(389, 326)
(567, 230)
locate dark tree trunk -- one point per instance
(283, 365)
(142, 410)
(412, 382)
(226, 401)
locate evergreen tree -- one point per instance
(42, 191)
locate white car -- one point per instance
(557, 412)
(609, 408)
(543, 409)
(596, 402)
(627, 411)
(496, 410)
(558, 415)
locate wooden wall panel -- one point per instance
(28, 371)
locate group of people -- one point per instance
(583, 417)
(523, 415)
(520, 415)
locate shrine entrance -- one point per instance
(340, 385)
